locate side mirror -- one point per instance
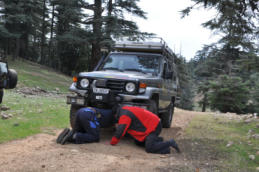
(168, 75)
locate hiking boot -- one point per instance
(68, 138)
(175, 146)
(62, 135)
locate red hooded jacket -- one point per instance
(137, 122)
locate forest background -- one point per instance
(69, 36)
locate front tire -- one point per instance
(73, 110)
(12, 75)
(167, 116)
(153, 107)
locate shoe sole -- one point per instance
(62, 135)
(175, 146)
(65, 138)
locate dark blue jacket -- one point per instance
(107, 118)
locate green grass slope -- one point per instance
(34, 75)
(226, 143)
(32, 114)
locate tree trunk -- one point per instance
(97, 30)
(24, 45)
(42, 53)
(229, 67)
(17, 48)
(109, 22)
(51, 31)
(109, 25)
(204, 103)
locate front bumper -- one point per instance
(76, 100)
(109, 98)
(73, 88)
(80, 101)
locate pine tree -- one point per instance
(228, 94)
(112, 24)
(21, 20)
(234, 20)
(185, 82)
(50, 44)
(206, 68)
(11, 26)
(116, 23)
(97, 34)
(254, 79)
(71, 38)
(44, 25)
(232, 55)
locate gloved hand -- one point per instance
(114, 141)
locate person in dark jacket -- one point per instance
(88, 122)
(144, 127)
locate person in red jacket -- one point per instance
(144, 127)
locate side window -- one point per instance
(170, 69)
(175, 73)
(165, 69)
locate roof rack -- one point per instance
(153, 45)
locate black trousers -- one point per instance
(155, 144)
(87, 128)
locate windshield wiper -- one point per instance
(136, 70)
(111, 68)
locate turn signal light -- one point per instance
(74, 79)
(142, 85)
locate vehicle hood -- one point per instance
(117, 75)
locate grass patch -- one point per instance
(34, 75)
(220, 131)
(32, 115)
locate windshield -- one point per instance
(130, 62)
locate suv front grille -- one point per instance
(115, 85)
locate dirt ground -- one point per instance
(41, 153)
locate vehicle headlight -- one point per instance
(84, 83)
(130, 87)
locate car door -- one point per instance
(164, 96)
(173, 82)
